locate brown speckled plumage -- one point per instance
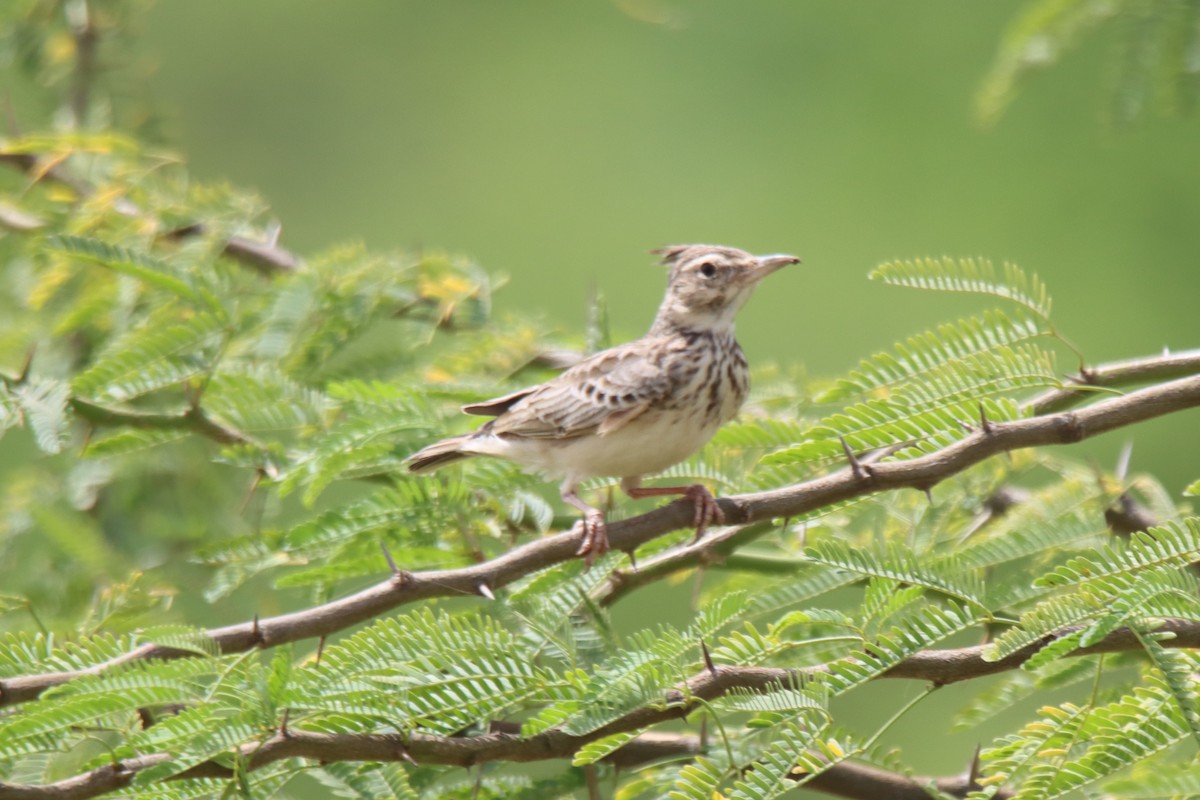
(637, 408)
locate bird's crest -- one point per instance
(671, 253)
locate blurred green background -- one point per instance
(556, 142)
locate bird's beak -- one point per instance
(768, 264)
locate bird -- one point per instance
(637, 408)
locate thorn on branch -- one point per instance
(283, 723)
(985, 424)
(1122, 469)
(708, 662)
(320, 651)
(193, 393)
(398, 575)
(632, 558)
(403, 754)
(256, 633)
(485, 590)
(259, 474)
(973, 769)
(26, 365)
(857, 467)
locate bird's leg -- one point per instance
(595, 531)
(706, 509)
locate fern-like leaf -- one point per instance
(973, 276)
(145, 268)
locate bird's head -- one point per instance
(707, 284)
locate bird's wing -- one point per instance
(597, 396)
(498, 405)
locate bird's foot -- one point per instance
(595, 537)
(706, 509)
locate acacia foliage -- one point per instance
(191, 437)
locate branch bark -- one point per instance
(846, 779)
(480, 580)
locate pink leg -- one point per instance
(595, 532)
(706, 509)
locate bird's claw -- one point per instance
(595, 538)
(707, 511)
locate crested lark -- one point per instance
(637, 408)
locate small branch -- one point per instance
(265, 257)
(802, 498)
(194, 420)
(714, 549)
(1167, 366)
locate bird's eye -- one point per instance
(707, 269)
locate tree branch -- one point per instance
(940, 667)
(919, 473)
(846, 779)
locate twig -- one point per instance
(194, 420)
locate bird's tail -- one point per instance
(439, 454)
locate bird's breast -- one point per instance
(709, 376)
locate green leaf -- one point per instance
(969, 275)
(43, 404)
(1173, 544)
(935, 349)
(698, 781)
(594, 751)
(165, 350)
(768, 776)
(145, 268)
(899, 563)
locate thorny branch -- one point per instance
(484, 579)
(939, 667)
(845, 779)
(751, 514)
